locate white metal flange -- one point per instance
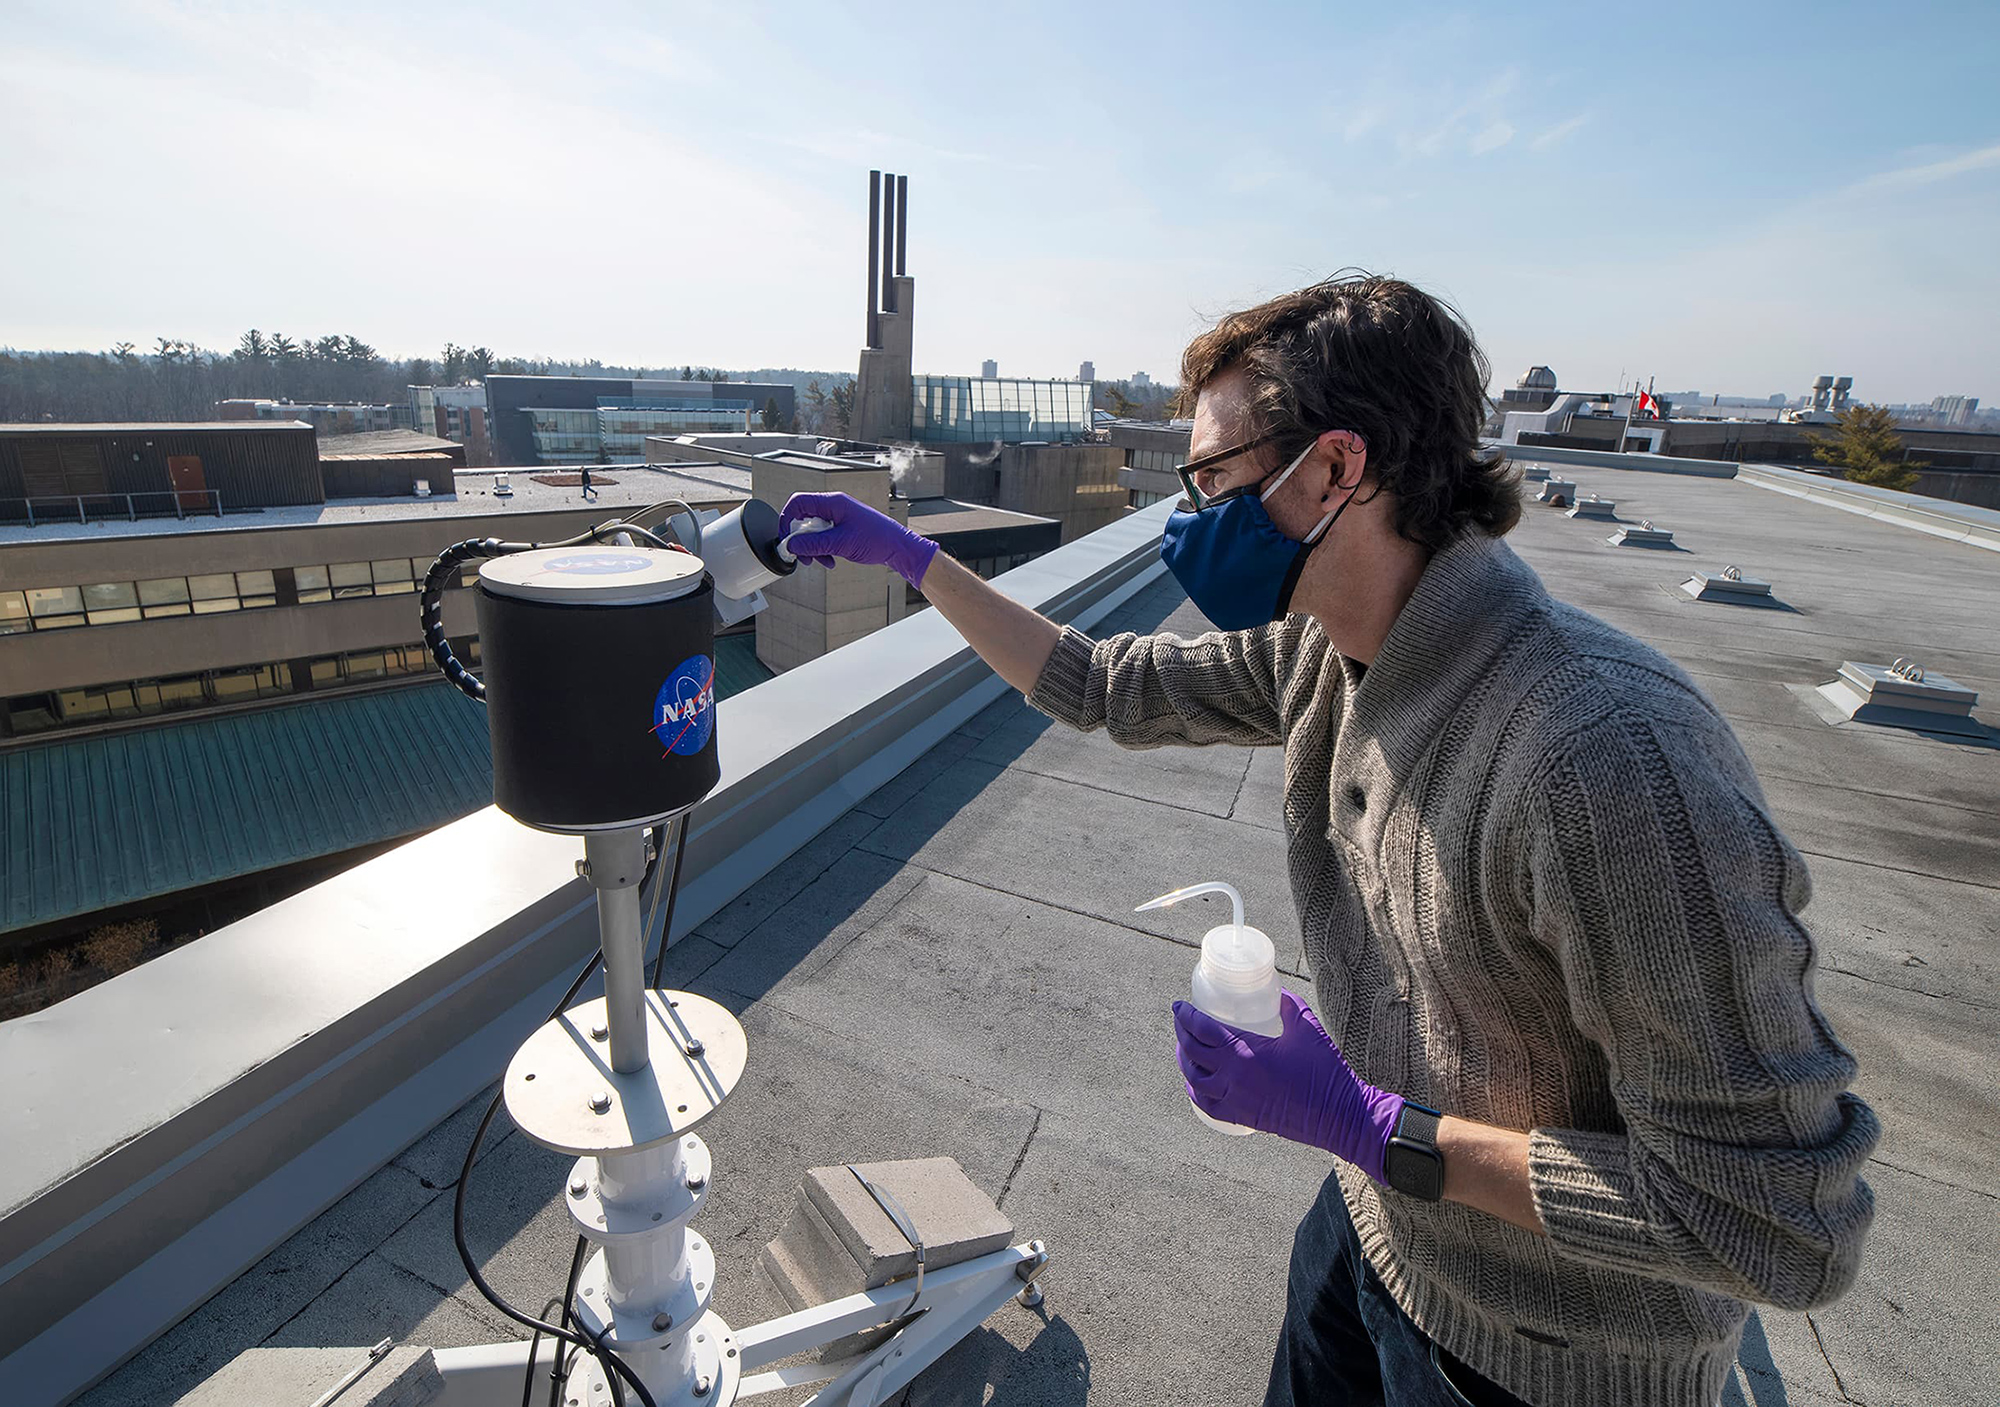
(562, 1091)
(609, 1221)
(631, 1332)
(718, 1372)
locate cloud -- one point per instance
(1492, 137)
(1559, 133)
(1361, 123)
(1932, 172)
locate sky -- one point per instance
(1729, 199)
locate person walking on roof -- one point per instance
(1582, 1106)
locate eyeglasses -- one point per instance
(1196, 499)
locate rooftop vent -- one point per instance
(1645, 535)
(1731, 586)
(1903, 695)
(1534, 473)
(501, 488)
(422, 489)
(1594, 507)
(1559, 493)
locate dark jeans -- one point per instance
(1346, 1343)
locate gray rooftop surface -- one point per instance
(472, 496)
(953, 967)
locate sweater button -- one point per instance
(1357, 798)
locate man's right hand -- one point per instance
(858, 534)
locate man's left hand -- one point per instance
(1296, 1084)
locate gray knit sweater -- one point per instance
(1540, 888)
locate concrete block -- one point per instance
(402, 1377)
(839, 1241)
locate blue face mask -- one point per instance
(1232, 561)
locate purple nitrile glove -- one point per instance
(859, 534)
(1296, 1085)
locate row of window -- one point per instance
(109, 602)
(343, 581)
(140, 698)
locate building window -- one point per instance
(392, 577)
(14, 613)
(55, 607)
(312, 584)
(164, 596)
(257, 588)
(169, 695)
(110, 602)
(31, 713)
(351, 579)
(213, 594)
(229, 685)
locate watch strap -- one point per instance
(1418, 1123)
(1412, 1163)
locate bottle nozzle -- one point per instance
(1214, 886)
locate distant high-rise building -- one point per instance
(1955, 410)
(1087, 372)
(1140, 380)
(989, 369)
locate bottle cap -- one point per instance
(1237, 955)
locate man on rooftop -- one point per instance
(1583, 1107)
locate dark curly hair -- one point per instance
(1379, 356)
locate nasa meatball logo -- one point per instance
(596, 564)
(684, 709)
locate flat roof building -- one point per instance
(167, 677)
(599, 419)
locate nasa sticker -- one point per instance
(684, 709)
(595, 564)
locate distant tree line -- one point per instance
(1130, 402)
(177, 380)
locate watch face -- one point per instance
(1414, 1169)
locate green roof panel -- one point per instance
(89, 823)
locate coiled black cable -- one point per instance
(448, 562)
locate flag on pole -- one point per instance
(1645, 404)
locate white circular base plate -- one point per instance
(715, 1357)
(560, 1073)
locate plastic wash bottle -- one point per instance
(1237, 978)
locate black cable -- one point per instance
(614, 1366)
(534, 1346)
(673, 893)
(561, 1372)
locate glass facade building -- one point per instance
(974, 409)
(617, 426)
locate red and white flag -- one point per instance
(1645, 404)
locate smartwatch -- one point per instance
(1412, 1165)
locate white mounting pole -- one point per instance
(615, 862)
